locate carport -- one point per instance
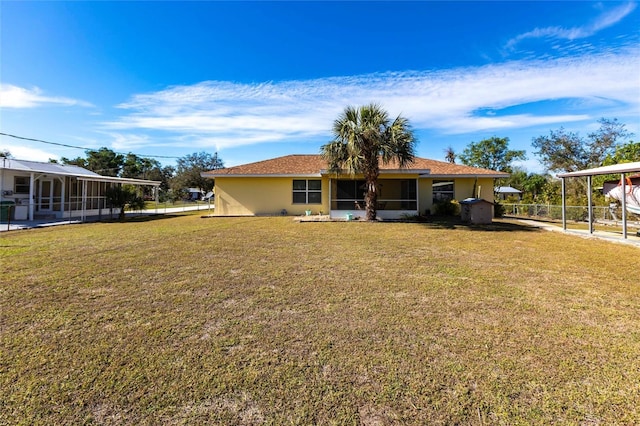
(621, 169)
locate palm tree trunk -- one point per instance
(371, 198)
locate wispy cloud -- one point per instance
(604, 20)
(219, 114)
(18, 97)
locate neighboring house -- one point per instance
(294, 184)
(505, 192)
(195, 194)
(57, 191)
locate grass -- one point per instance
(265, 321)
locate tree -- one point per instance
(137, 167)
(120, 196)
(450, 155)
(531, 184)
(188, 169)
(4, 153)
(564, 151)
(492, 154)
(625, 153)
(103, 161)
(364, 136)
(78, 161)
(164, 176)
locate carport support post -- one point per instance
(590, 205)
(624, 206)
(564, 206)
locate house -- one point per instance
(194, 194)
(505, 192)
(59, 191)
(295, 184)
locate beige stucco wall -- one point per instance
(462, 188)
(425, 195)
(242, 196)
(247, 196)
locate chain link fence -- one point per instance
(575, 213)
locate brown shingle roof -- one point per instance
(313, 164)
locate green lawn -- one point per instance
(185, 320)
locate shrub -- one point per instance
(447, 208)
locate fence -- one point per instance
(575, 213)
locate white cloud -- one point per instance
(604, 20)
(224, 114)
(18, 97)
(25, 153)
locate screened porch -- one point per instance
(396, 197)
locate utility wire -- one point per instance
(80, 147)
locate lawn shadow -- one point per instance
(444, 222)
(144, 218)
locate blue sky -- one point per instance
(255, 80)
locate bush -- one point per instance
(498, 210)
(447, 208)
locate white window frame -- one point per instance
(450, 195)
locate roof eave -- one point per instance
(605, 170)
(247, 175)
(470, 175)
(112, 179)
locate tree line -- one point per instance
(560, 151)
(174, 180)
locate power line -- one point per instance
(81, 147)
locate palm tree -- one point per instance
(364, 137)
(450, 155)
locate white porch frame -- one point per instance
(380, 213)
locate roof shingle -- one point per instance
(314, 164)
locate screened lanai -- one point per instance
(35, 190)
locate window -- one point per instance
(442, 190)
(21, 184)
(307, 191)
(350, 190)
